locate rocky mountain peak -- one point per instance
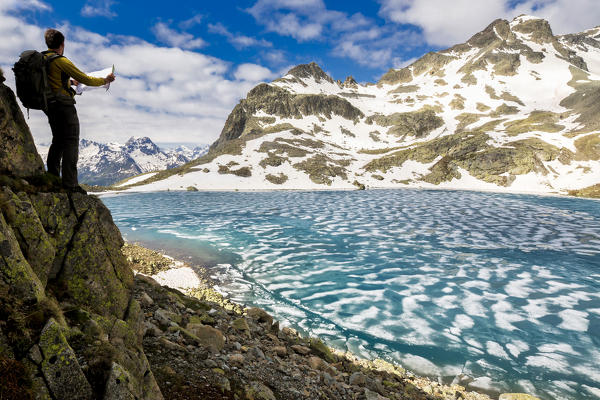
(350, 82)
(311, 70)
(499, 30)
(538, 29)
(144, 144)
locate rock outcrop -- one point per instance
(68, 319)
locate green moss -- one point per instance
(543, 121)
(378, 151)
(585, 101)
(277, 179)
(588, 147)
(590, 191)
(417, 123)
(458, 103)
(321, 168)
(482, 107)
(469, 79)
(504, 109)
(466, 119)
(320, 349)
(405, 89)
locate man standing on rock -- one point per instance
(61, 113)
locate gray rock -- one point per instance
(369, 395)
(146, 300)
(300, 349)
(257, 353)
(35, 354)
(260, 315)
(259, 391)
(358, 379)
(208, 336)
(118, 384)
(208, 363)
(60, 367)
(20, 157)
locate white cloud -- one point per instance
(193, 21)
(171, 37)
(238, 41)
(252, 73)
(354, 37)
(7, 5)
(98, 8)
(445, 23)
(170, 94)
(362, 54)
(303, 20)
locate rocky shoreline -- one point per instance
(202, 345)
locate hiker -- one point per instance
(61, 112)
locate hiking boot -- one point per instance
(75, 189)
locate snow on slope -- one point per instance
(505, 111)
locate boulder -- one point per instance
(209, 337)
(60, 366)
(259, 391)
(18, 155)
(260, 315)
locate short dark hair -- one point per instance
(54, 38)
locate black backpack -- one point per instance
(31, 79)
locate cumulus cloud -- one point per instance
(170, 94)
(15, 5)
(303, 20)
(238, 41)
(98, 8)
(354, 37)
(171, 37)
(445, 23)
(252, 72)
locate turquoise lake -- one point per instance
(501, 288)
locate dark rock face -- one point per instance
(18, 156)
(66, 308)
(310, 70)
(274, 100)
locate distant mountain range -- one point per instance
(106, 164)
(514, 109)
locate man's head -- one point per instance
(55, 40)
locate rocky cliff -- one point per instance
(70, 327)
(515, 108)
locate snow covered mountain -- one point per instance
(515, 108)
(106, 164)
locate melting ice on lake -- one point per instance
(503, 288)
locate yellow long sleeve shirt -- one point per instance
(61, 70)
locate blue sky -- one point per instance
(240, 31)
(182, 66)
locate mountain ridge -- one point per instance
(515, 108)
(108, 163)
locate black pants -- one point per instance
(64, 124)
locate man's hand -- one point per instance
(109, 78)
(74, 82)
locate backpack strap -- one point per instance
(64, 78)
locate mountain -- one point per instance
(514, 109)
(106, 164)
